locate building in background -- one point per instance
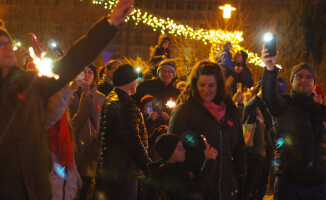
(66, 20)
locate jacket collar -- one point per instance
(160, 82)
(121, 95)
(302, 99)
(9, 75)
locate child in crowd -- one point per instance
(170, 179)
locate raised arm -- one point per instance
(274, 101)
(86, 49)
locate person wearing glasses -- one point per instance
(161, 88)
(299, 133)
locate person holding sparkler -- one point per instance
(161, 88)
(24, 151)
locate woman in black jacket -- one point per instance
(207, 109)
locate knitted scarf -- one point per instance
(218, 111)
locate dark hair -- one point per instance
(109, 64)
(93, 68)
(206, 68)
(226, 43)
(101, 72)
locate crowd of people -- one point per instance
(106, 134)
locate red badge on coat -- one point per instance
(191, 174)
(324, 123)
(21, 95)
(99, 107)
(230, 123)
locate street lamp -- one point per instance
(227, 8)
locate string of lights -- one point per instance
(215, 37)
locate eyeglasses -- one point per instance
(167, 71)
(300, 76)
(4, 44)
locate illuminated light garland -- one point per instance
(169, 26)
(215, 37)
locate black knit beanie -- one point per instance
(93, 68)
(165, 145)
(124, 74)
(301, 66)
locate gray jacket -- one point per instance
(84, 119)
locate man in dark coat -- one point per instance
(124, 157)
(299, 133)
(24, 152)
(161, 88)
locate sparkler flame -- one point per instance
(43, 64)
(170, 103)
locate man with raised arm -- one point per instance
(299, 126)
(24, 152)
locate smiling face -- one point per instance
(303, 82)
(207, 87)
(7, 54)
(166, 75)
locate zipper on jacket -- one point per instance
(220, 177)
(64, 185)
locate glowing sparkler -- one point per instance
(170, 104)
(43, 64)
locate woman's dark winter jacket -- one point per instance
(121, 128)
(299, 133)
(177, 182)
(189, 120)
(157, 89)
(25, 159)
